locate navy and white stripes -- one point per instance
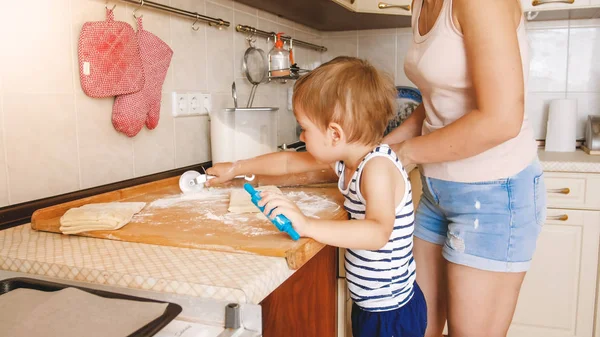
(380, 280)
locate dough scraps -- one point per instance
(99, 216)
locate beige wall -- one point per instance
(54, 139)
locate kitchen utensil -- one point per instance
(561, 131)
(234, 94)
(592, 133)
(242, 133)
(109, 58)
(281, 221)
(255, 67)
(193, 181)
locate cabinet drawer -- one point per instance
(573, 190)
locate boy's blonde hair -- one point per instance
(351, 92)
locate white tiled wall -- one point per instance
(564, 62)
(385, 48)
(54, 139)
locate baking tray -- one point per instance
(147, 330)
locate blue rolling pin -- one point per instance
(281, 222)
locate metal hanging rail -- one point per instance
(198, 17)
(252, 30)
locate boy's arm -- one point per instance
(271, 164)
(379, 183)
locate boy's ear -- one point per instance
(335, 133)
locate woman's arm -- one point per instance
(271, 164)
(495, 67)
(410, 128)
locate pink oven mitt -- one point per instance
(131, 111)
(109, 58)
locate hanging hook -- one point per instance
(194, 27)
(135, 10)
(113, 7)
(251, 38)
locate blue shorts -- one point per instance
(408, 321)
(490, 225)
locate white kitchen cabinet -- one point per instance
(558, 297)
(392, 7)
(559, 291)
(541, 5)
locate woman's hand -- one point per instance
(223, 172)
(401, 151)
(278, 204)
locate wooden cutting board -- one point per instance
(201, 221)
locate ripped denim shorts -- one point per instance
(490, 225)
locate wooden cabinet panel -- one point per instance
(305, 304)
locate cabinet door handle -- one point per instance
(562, 217)
(543, 2)
(565, 190)
(383, 5)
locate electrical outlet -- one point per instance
(199, 103)
(207, 104)
(180, 104)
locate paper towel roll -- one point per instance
(561, 132)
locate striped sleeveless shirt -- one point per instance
(380, 280)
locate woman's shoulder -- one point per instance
(464, 10)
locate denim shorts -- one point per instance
(490, 225)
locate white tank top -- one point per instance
(437, 64)
(380, 280)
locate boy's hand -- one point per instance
(282, 205)
(223, 172)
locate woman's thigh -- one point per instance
(492, 231)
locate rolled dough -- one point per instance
(240, 202)
(99, 216)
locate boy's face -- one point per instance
(319, 143)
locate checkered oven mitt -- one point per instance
(131, 111)
(109, 58)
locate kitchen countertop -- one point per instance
(234, 277)
(577, 161)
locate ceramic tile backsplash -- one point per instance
(52, 131)
(41, 145)
(36, 57)
(384, 48)
(564, 65)
(584, 68)
(379, 49)
(548, 62)
(105, 156)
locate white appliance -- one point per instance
(241, 133)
